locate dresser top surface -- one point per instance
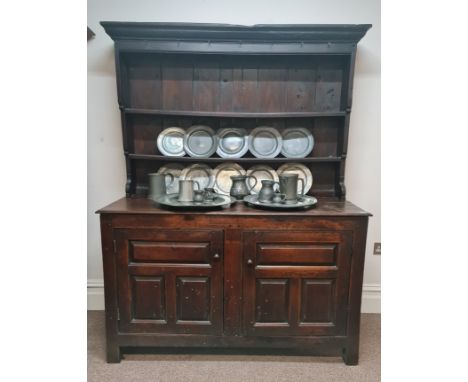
(325, 207)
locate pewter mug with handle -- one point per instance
(239, 187)
(186, 190)
(288, 186)
(157, 184)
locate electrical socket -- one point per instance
(376, 248)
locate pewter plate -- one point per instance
(170, 142)
(222, 176)
(200, 141)
(298, 142)
(175, 169)
(232, 142)
(261, 172)
(202, 173)
(265, 142)
(302, 171)
(303, 203)
(171, 200)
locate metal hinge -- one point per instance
(115, 246)
(118, 315)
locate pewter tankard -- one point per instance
(157, 184)
(288, 187)
(186, 190)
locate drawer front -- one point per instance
(295, 283)
(307, 253)
(170, 280)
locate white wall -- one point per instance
(106, 165)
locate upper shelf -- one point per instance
(227, 114)
(243, 159)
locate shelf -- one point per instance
(163, 158)
(227, 114)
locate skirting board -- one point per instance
(370, 297)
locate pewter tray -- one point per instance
(303, 203)
(171, 200)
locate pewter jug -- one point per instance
(277, 198)
(288, 186)
(157, 184)
(186, 190)
(239, 187)
(266, 192)
(198, 196)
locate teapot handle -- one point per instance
(248, 183)
(171, 178)
(198, 184)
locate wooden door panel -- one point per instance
(170, 281)
(149, 298)
(272, 300)
(295, 283)
(317, 301)
(193, 299)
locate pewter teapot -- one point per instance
(267, 191)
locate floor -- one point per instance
(229, 367)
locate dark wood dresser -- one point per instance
(238, 277)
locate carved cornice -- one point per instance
(319, 33)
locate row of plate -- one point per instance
(220, 177)
(264, 142)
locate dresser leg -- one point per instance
(351, 355)
(113, 354)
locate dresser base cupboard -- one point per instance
(239, 277)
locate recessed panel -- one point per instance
(145, 130)
(272, 300)
(148, 298)
(329, 83)
(206, 89)
(193, 298)
(177, 85)
(317, 299)
(296, 254)
(169, 252)
(144, 83)
(300, 89)
(271, 89)
(327, 134)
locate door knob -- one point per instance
(216, 256)
(249, 262)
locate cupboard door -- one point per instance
(295, 283)
(170, 280)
